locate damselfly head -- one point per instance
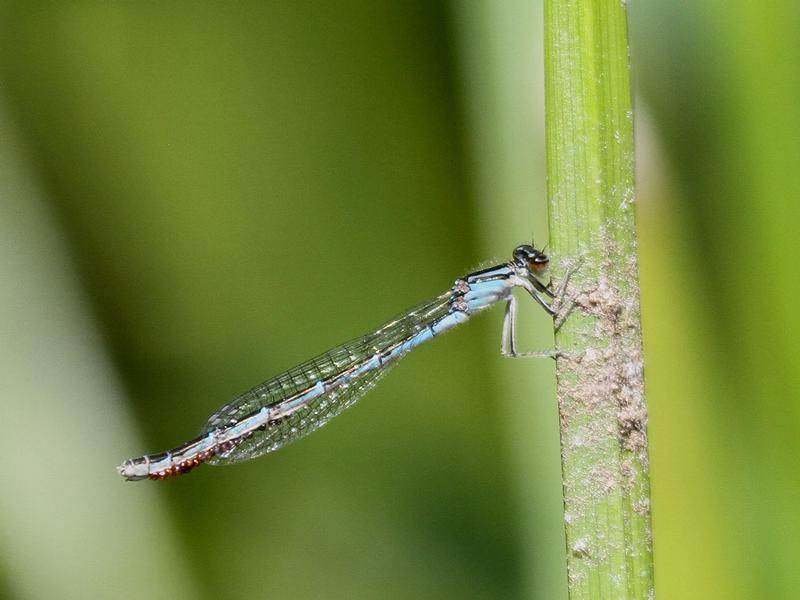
(534, 260)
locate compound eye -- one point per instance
(538, 262)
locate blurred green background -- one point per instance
(196, 196)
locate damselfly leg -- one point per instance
(556, 309)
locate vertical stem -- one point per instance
(603, 416)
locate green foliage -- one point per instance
(195, 197)
(591, 196)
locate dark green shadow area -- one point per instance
(243, 186)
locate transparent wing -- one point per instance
(326, 367)
(311, 417)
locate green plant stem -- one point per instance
(603, 416)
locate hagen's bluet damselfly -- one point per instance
(303, 399)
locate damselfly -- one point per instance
(303, 399)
